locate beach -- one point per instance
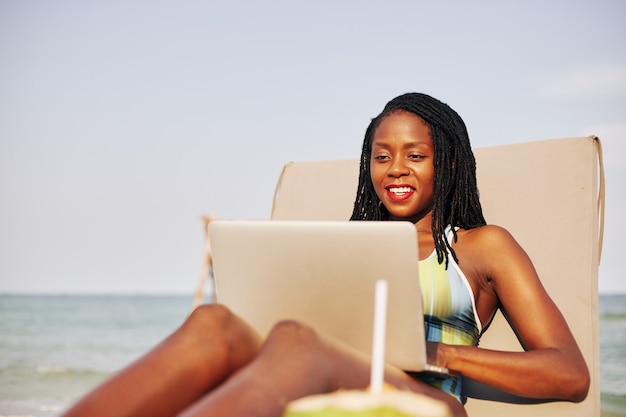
(55, 348)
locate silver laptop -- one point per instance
(323, 273)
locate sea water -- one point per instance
(53, 349)
(613, 353)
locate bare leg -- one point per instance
(294, 362)
(204, 351)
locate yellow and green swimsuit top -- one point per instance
(449, 312)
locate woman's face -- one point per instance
(402, 166)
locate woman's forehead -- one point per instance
(402, 125)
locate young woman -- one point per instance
(416, 165)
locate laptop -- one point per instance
(323, 273)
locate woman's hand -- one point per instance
(436, 354)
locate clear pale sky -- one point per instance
(121, 122)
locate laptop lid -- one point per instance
(323, 273)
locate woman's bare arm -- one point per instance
(552, 365)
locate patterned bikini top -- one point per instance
(450, 314)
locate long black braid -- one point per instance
(456, 200)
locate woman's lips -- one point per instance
(399, 192)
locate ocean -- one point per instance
(53, 349)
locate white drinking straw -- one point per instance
(378, 345)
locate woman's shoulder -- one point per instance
(482, 253)
(493, 249)
(489, 234)
(489, 243)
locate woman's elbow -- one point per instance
(577, 387)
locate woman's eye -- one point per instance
(381, 157)
(416, 156)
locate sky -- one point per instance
(122, 122)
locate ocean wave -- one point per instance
(49, 370)
(17, 415)
(61, 371)
(50, 408)
(31, 407)
(613, 316)
(613, 402)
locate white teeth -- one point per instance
(400, 190)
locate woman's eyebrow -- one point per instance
(416, 143)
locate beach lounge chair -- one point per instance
(549, 194)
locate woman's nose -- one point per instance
(398, 168)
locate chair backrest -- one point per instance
(549, 195)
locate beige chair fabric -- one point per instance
(549, 194)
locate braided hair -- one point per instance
(456, 199)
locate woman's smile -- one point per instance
(399, 192)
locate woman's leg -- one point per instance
(295, 362)
(204, 351)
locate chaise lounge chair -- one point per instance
(550, 195)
